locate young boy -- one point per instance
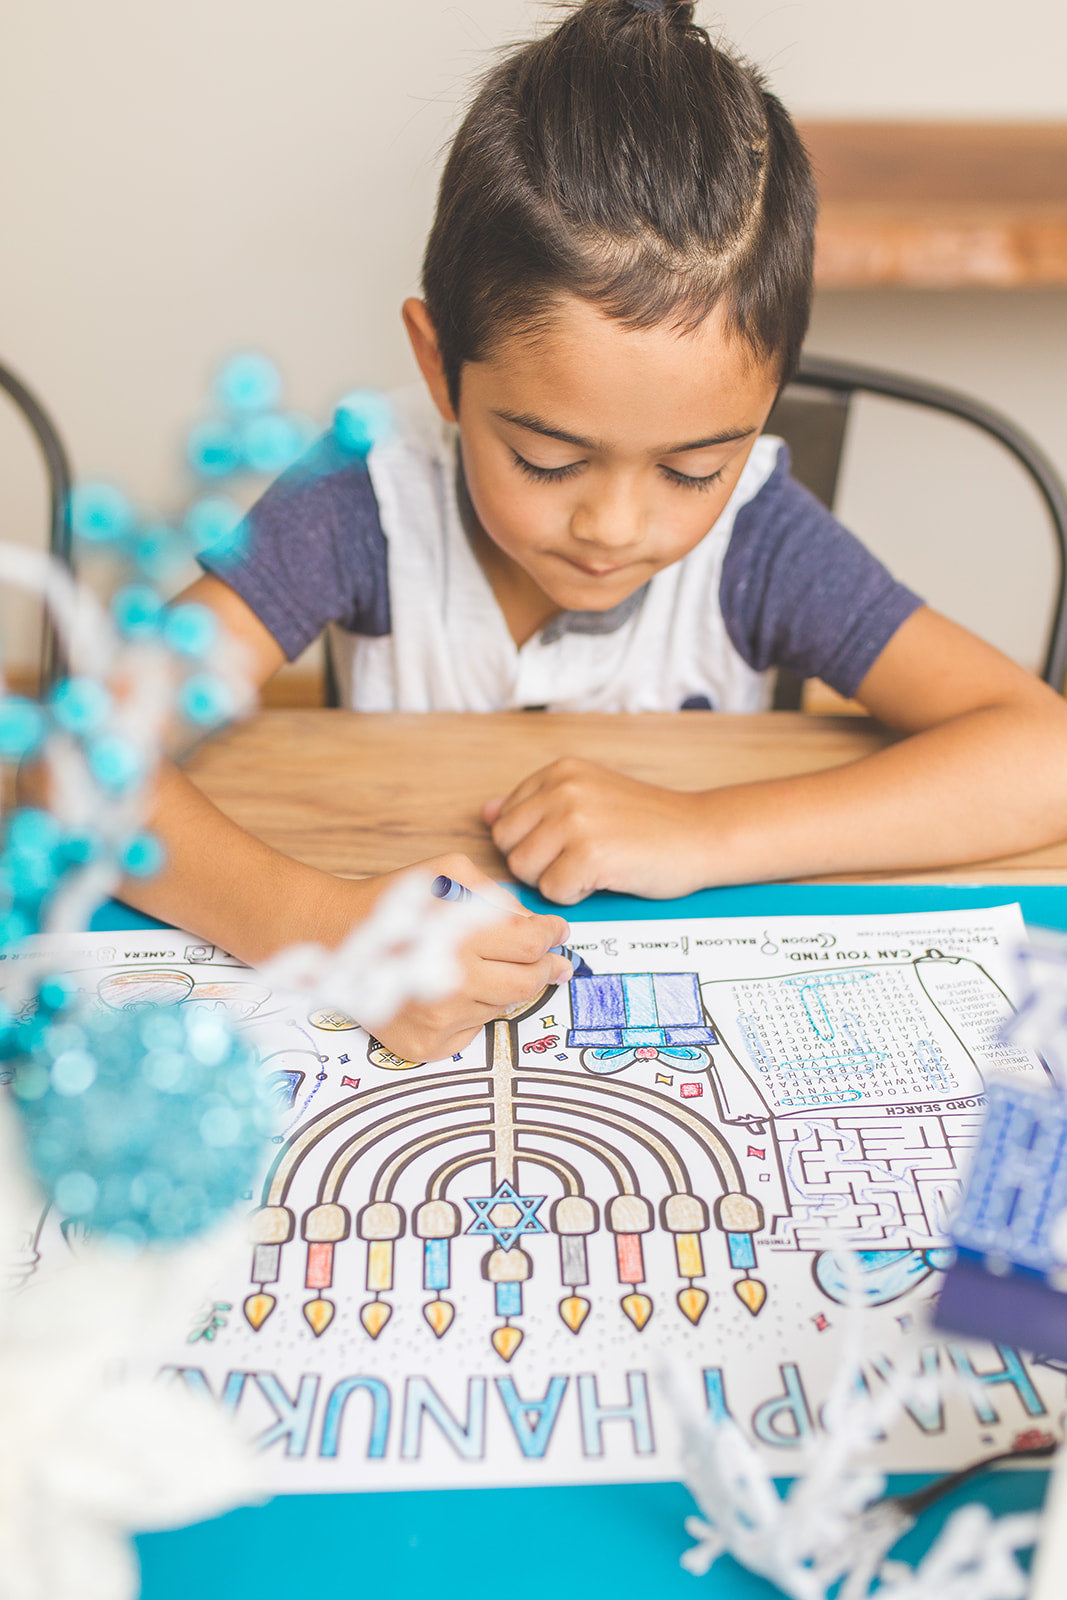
(584, 515)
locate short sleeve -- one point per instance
(799, 591)
(313, 552)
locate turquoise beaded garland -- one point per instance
(213, 449)
(205, 700)
(137, 610)
(22, 727)
(143, 857)
(248, 382)
(114, 762)
(362, 419)
(214, 523)
(190, 629)
(80, 705)
(100, 513)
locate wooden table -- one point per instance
(355, 793)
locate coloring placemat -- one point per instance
(475, 1272)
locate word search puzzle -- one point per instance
(659, 1184)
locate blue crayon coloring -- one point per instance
(444, 888)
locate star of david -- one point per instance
(506, 1234)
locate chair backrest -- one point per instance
(58, 470)
(812, 415)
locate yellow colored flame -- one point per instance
(258, 1308)
(751, 1292)
(374, 1315)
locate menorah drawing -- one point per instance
(414, 1149)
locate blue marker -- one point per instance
(443, 888)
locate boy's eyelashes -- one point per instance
(546, 474)
(688, 482)
(560, 474)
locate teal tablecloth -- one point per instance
(526, 1544)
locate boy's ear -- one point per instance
(423, 336)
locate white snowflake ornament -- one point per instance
(93, 1447)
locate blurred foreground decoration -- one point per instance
(96, 1448)
(833, 1531)
(1009, 1279)
(139, 1126)
(137, 1139)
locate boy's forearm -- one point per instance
(991, 782)
(229, 887)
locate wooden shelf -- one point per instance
(939, 205)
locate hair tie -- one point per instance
(655, 8)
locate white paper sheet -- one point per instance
(476, 1272)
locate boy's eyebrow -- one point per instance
(536, 425)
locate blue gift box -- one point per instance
(638, 1008)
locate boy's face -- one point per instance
(597, 455)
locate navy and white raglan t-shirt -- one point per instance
(377, 551)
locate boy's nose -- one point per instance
(612, 523)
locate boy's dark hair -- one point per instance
(625, 159)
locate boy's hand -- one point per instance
(504, 965)
(575, 827)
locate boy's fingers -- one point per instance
(412, 1040)
(534, 854)
(517, 824)
(568, 878)
(491, 810)
(502, 984)
(522, 791)
(519, 940)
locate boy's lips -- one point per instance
(592, 571)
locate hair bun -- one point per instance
(676, 11)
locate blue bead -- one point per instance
(57, 992)
(271, 443)
(32, 829)
(137, 610)
(100, 513)
(79, 848)
(29, 873)
(248, 382)
(114, 762)
(190, 629)
(215, 523)
(14, 927)
(158, 550)
(80, 705)
(213, 449)
(361, 420)
(22, 726)
(143, 857)
(205, 700)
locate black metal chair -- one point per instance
(812, 416)
(57, 467)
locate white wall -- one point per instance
(183, 177)
(911, 58)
